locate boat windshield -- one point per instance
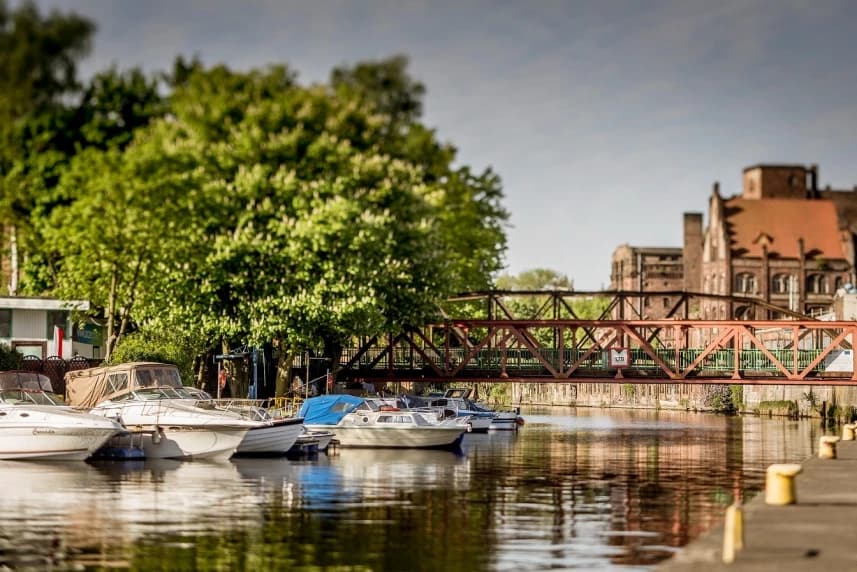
(16, 396)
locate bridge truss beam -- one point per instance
(573, 350)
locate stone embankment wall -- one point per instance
(831, 402)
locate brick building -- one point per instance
(782, 240)
(648, 269)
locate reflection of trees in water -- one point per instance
(611, 491)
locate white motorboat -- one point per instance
(36, 425)
(480, 420)
(172, 428)
(314, 441)
(265, 435)
(500, 420)
(270, 436)
(361, 423)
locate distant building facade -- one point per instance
(648, 269)
(782, 240)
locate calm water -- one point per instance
(574, 489)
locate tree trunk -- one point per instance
(13, 260)
(284, 372)
(111, 311)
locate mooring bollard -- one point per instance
(827, 447)
(733, 532)
(848, 432)
(780, 483)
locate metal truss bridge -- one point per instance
(553, 344)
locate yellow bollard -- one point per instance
(848, 432)
(780, 484)
(827, 447)
(733, 532)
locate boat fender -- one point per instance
(519, 421)
(469, 427)
(156, 436)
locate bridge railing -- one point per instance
(722, 360)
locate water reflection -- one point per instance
(594, 490)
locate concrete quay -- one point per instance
(818, 532)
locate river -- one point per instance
(574, 489)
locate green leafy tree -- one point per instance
(111, 240)
(257, 209)
(299, 232)
(112, 107)
(38, 58)
(470, 217)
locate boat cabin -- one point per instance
(26, 387)
(89, 387)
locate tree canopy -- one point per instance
(244, 206)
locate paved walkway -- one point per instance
(819, 533)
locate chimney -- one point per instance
(692, 252)
(813, 179)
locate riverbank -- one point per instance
(836, 403)
(817, 532)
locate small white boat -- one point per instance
(270, 436)
(36, 425)
(361, 423)
(318, 440)
(480, 420)
(500, 420)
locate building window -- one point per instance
(816, 284)
(743, 313)
(56, 319)
(781, 283)
(5, 323)
(745, 282)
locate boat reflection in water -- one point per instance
(616, 490)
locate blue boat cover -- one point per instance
(328, 409)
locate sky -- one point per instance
(606, 120)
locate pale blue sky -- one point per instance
(606, 120)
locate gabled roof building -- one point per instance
(781, 240)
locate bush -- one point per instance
(719, 398)
(161, 346)
(9, 358)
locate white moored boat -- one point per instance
(36, 425)
(270, 436)
(361, 423)
(145, 398)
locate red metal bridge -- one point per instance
(554, 344)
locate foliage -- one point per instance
(38, 57)
(535, 279)
(161, 345)
(719, 398)
(244, 207)
(10, 359)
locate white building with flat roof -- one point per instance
(43, 327)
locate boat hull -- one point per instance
(504, 422)
(394, 437)
(51, 444)
(274, 439)
(51, 433)
(190, 442)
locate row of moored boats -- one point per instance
(142, 410)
